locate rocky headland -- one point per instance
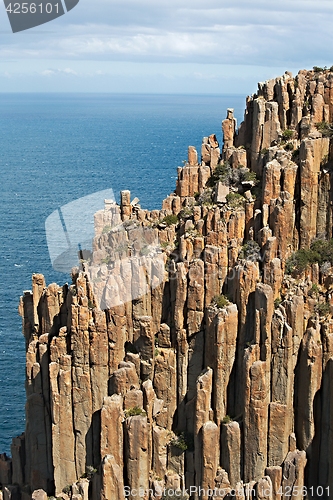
(220, 374)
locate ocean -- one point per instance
(56, 148)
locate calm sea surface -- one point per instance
(55, 148)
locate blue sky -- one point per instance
(166, 46)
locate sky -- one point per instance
(167, 46)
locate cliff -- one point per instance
(195, 345)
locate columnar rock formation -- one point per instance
(218, 375)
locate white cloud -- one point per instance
(51, 72)
(287, 34)
(48, 72)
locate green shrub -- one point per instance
(323, 250)
(323, 308)
(300, 260)
(221, 173)
(320, 251)
(106, 229)
(171, 219)
(263, 152)
(250, 176)
(287, 134)
(220, 301)
(67, 489)
(314, 290)
(179, 442)
(90, 471)
(206, 197)
(106, 261)
(132, 412)
(145, 250)
(277, 302)
(250, 251)
(231, 176)
(289, 146)
(317, 69)
(325, 128)
(185, 213)
(226, 420)
(235, 200)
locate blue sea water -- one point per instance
(56, 148)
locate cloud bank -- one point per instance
(225, 34)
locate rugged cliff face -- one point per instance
(195, 346)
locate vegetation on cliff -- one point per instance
(202, 361)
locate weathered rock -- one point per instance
(231, 454)
(221, 192)
(210, 453)
(245, 386)
(5, 469)
(228, 129)
(112, 428)
(112, 480)
(312, 152)
(39, 495)
(293, 474)
(137, 458)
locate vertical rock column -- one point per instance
(281, 411)
(312, 151)
(98, 359)
(309, 378)
(82, 397)
(137, 458)
(63, 439)
(202, 415)
(229, 129)
(220, 351)
(125, 205)
(255, 416)
(44, 306)
(112, 448)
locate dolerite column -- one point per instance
(161, 439)
(137, 458)
(293, 474)
(112, 479)
(98, 360)
(220, 351)
(312, 151)
(82, 397)
(202, 415)
(210, 457)
(264, 489)
(255, 415)
(165, 384)
(39, 471)
(308, 384)
(63, 440)
(281, 412)
(243, 285)
(231, 451)
(112, 442)
(325, 466)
